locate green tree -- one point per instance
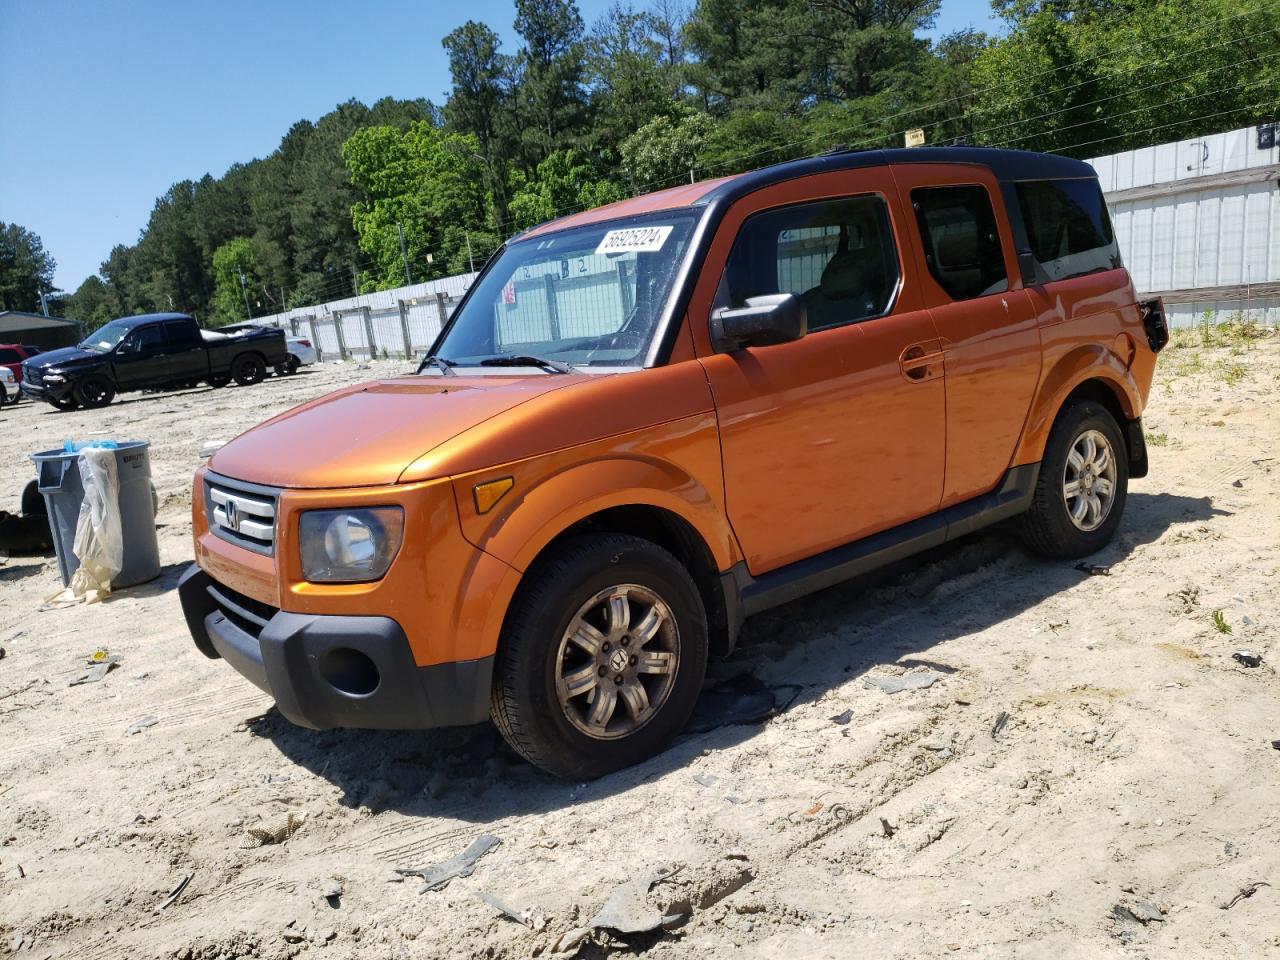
(665, 152)
(231, 261)
(428, 181)
(566, 181)
(629, 81)
(481, 104)
(26, 269)
(93, 304)
(552, 101)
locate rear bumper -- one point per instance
(333, 671)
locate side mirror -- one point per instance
(1029, 268)
(764, 321)
(126, 346)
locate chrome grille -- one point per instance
(241, 513)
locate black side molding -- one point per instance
(746, 595)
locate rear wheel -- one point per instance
(248, 369)
(1082, 487)
(289, 367)
(602, 657)
(95, 392)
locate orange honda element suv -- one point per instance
(651, 420)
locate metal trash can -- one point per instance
(58, 479)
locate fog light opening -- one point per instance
(349, 671)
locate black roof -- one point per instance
(1005, 164)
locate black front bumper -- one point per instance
(332, 671)
(47, 391)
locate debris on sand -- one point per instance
(139, 725)
(887, 828)
(438, 875)
(1244, 893)
(738, 701)
(332, 892)
(1247, 658)
(176, 892)
(627, 910)
(1095, 569)
(276, 831)
(100, 663)
(1002, 718)
(532, 918)
(915, 680)
(842, 719)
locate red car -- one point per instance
(12, 355)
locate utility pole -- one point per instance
(470, 259)
(245, 292)
(404, 254)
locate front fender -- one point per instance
(679, 472)
(1083, 363)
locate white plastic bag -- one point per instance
(99, 542)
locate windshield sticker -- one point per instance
(634, 240)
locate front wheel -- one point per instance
(602, 656)
(65, 404)
(218, 382)
(1082, 487)
(248, 370)
(95, 392)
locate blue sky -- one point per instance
(104, 105)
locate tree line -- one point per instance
(653, 96)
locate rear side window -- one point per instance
(181, 334)
(1068, 227)
(961, 242)
(838, 256)
(10, 355)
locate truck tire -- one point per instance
(1082, 487)
(66, 404)
(602, 656)
(248, 369)
(95, 392)
(289, 367)
(220, 381)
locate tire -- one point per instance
(1048, 527)
(219, 381)
(95, 392)
(248, 369)
(289, 367)
(66, 404)
(572, 585)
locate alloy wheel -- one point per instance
(1089, 480)
(617, 661)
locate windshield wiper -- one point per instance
(525, 360)
(440, 362)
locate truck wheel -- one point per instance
(289, 367)
(219, 381)
(248, 369)
(1083, 483)
(602, 656)
(66, 404)
(95, 392)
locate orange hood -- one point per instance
(368, 435)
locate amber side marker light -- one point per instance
(490, 492)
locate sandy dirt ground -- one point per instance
(1091, 776)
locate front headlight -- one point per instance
(349, 546)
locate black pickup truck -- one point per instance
(153, 351)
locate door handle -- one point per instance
(922, 361)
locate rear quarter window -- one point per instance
(1068, 227)
(9, 355)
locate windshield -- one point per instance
(106, 337)
(590, 297)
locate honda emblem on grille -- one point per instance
(233, 515)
